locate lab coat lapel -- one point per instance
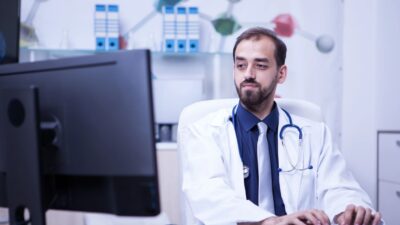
(235, 161)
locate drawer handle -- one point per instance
(398, 143)
(398, 193)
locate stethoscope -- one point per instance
(294, 166)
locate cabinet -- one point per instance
(389, 175)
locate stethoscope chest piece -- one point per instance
(246, 172)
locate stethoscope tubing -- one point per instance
(281, 134)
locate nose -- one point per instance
(250, 73)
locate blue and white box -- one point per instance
(181, 29)
(169, 29)
(100, 27)
(193, 29)
(113, 27)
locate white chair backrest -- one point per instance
(198, 110)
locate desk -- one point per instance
(168, 165)
(169, 183)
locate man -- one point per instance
(236, 170)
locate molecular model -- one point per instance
(283, 24)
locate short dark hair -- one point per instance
(257, 32)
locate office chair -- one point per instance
(198, 110)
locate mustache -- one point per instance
(249, 81)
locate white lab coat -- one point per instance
(212, 172)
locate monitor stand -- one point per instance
(21, 139)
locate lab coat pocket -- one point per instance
(298, 189)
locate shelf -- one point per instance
(61, 52)
(45, 53)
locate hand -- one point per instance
(308, 217)
(358, 215)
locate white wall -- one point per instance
(370, 83)
(387, 65)
(359, 91)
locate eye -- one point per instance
(241, 66)
(261, 66)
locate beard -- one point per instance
(254, 99)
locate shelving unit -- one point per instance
(213, 67)
(179, 78)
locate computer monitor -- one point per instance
(78, 134)
(9, 31)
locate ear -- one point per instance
(282, 73)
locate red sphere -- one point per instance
(284, 25)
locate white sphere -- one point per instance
(325, 43)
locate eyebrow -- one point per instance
(239, 58)
(256, 59)
(261, 60)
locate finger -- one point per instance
(296, 221)
(349, 214)
(340, 219)
(325, 218)
(367, 217)
(377, 219)
(321, 216)
(308, 217)
(309, 222)
(291, 221)
(360, 213)
(312, 218)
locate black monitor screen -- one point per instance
(9, 31)
(96, 131)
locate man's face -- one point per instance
(256, 74)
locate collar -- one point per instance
(248, 120)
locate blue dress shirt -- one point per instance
(247, 135)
